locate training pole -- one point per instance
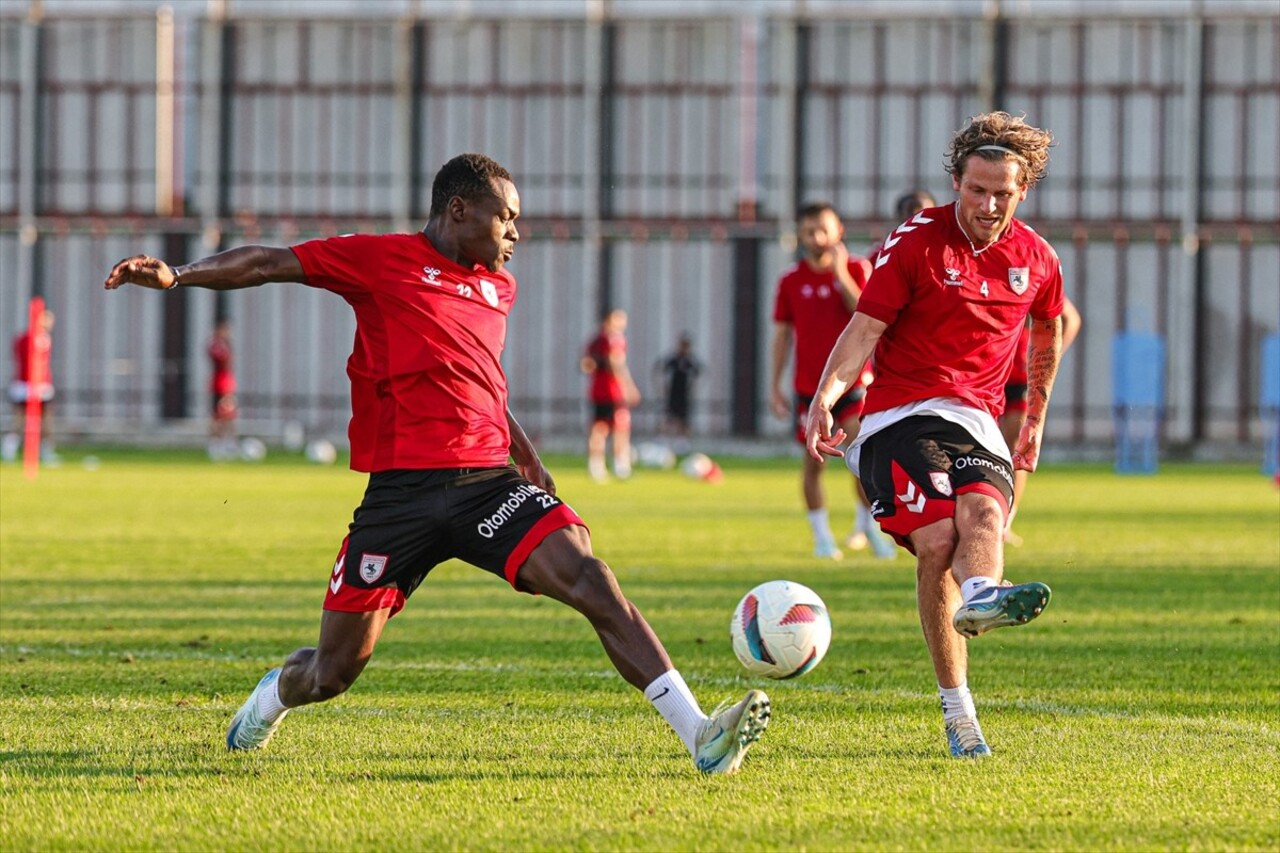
(38, 370)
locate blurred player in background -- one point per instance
(1015, 406)
(222, 388)
(679, 370)
(911, 203)
(430, 423)
(613, 394)
(815, 300)
(21, 389)
(943, 312)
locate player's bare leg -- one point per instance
(622, 450)
(815, 504)
(979, 569)
(308, 675)
(937, 597)
(596, 438)
(346, 643)
(563, 567)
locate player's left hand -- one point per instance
(1026, 450)
(535, 472)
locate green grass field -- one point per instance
(141, 601)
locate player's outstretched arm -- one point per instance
(246, 266)
(844, 365)
(1043, 357)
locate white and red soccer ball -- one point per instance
(700, 466)
(780, 629)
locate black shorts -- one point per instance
(913, 470)
(848, 406)
(616, 415)
(411, 521)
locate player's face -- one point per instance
(989, 194)
(819, 235)
(490, 236)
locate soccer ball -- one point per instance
(252, 449)
(700, 466)
(780, 629)
(321, 452)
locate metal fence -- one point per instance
(659, 163)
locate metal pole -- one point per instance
(29, 151)
(166, 138)
(1187, 329)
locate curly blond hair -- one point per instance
(1028, 144)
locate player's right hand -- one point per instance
(778, 403)
(142, 270)
(819, 439)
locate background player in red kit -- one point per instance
(22, 388)
(613, 392)
(814, 302)
(943, 313)
(430, 424)
(222, 391)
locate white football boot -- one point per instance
(725, 737)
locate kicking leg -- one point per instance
(564, 568)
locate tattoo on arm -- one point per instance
(1042, 365)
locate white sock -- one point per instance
(957, 702)
(621, 468)
(820, 525)
(269, 704)
(973, 587)
(671, 696)
(863, 524)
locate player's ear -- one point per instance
(457, 208)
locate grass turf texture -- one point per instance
(142, 601)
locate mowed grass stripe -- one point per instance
(140, 602)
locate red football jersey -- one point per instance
(427, 386)
(223, 380)
(955, 315)
(22, 353)
(605, 385)
(809, 301)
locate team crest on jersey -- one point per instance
(941, 482)
(1019, 278)
(372, 567)
(489, 292)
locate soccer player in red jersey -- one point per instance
(222, 391)
(943, 312)
(431, 426)
(22, 388)
(613, 392)
(814, 302)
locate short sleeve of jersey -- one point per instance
(1049, 298)
(344, 265)
(888, 288)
